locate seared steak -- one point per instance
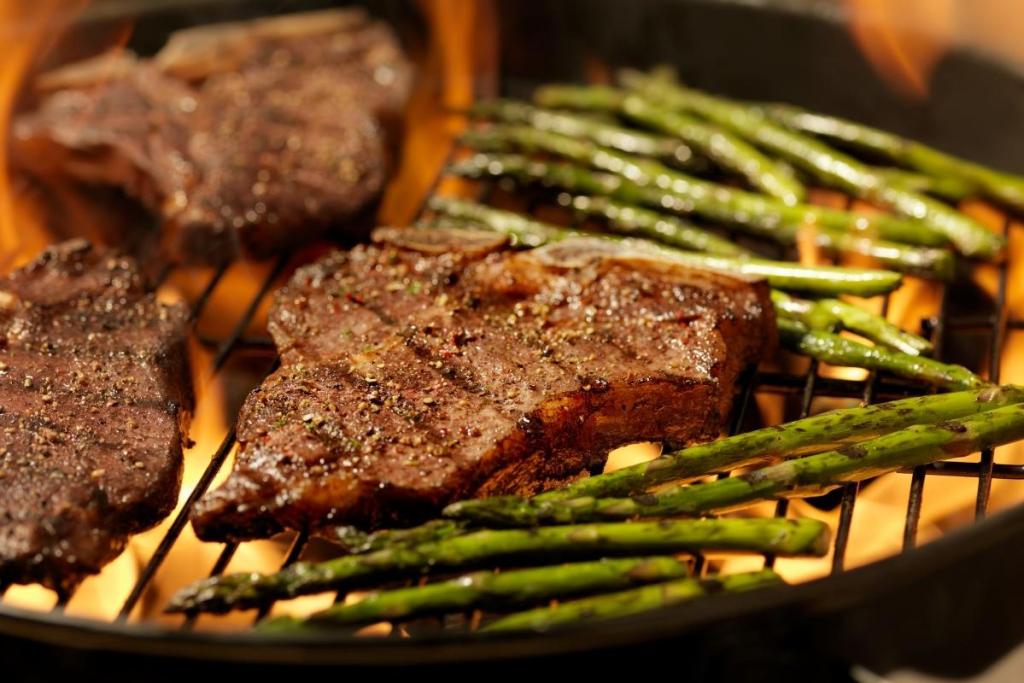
(94, 393)
(436, 365)
(325, 42)
(276, 140)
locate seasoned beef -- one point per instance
(94, 395)
(278, 139)
(326, 43)
(436, 365)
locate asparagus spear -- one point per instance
(810, 475)
(837, 350)
(1002, 187)
(634, 220)
(624, 139)
(783, 274)
(594, 98)
(828, 165)
(530, 233)
(809, 435)
(832, 314)
(491, 590)
(356, 541)
(927, 262)
(950, 188)
(241, 591)
(759, 215)
(728, 151)
(632, 601)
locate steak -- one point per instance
(264, 136)
(436, 365)
(94, 395)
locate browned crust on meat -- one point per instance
(246, 139)
(94, 394)
(412, 377)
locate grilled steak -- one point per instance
(94, 392)
(436, 365)
(326, 43)
(277, 140)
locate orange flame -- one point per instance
(24, 29)
(903, 40)
(460, 63)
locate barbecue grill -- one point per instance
(951, 606)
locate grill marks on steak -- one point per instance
(94, 395)
(263, 136)
(437, 365)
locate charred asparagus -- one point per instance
(832, 314)
(930, 262)
(828, 165)
(490, 590)
(832, 348)
(631, 602)
(730, 152)
(1002, 187)
(628, 140)
(241, 591)
(759, 215)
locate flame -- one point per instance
(905, 39)
(460, 63)
(26, 29)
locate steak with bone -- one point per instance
(94, 396)
(436, 365)
(244, 138)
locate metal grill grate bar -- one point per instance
(222, 452)
(994, 363)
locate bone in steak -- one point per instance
(94, 394)
(436, 365)
(265, 135)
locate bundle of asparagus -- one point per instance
(827, 165)
(648, 183)
(934, 165)
(242, 591)
(493, 590)
(807, 436)
(668, 584)
(656, 101)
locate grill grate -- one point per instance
(809, 386)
